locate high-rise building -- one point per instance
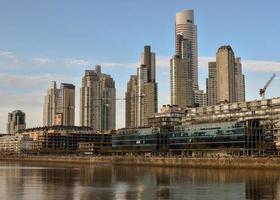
(239, 81)
(225, 82)
(16, 122)
(183, 66)
(200, 98)
(211, 85)
(225, 64)
(181, 83)
(147, 101)
(131, 103)
(186, 32)
(59, 105)
(98, 100)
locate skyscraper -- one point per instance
(186, 32)
(146, 87)
(183, 65)
(98, 100)
(16, 121)
(131, 103)
(225, 82)
(239, 81)
(211, 84)
(181, 83)
(59, 105)
(225, 63)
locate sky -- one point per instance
(41, 41)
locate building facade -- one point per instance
(225, 82)
(211, 84)
(184, 65)
(131, 103)
(98, 100)
(66, 139)
(59, 105)
(147, 91)
(168, 117)
(239, 81)
(186, 40)
(200, 98)
(17, 143)
(181, 83)
(225, 61)
(16, 122)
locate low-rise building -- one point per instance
(169, 116)
(232, 138)
(67, 139)
(15, 144)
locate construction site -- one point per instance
(66, 140)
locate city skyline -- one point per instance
(32, 83)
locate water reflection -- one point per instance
(25, 180)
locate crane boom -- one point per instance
(263, 90)
(268, 82)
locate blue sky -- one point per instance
(49, 40)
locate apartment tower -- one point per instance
(147, 100)
(211, 84)
(185, 26)
(59, 105)
(16, 122)
(225, 82)
(98, 100)
(131, 103)
(184, 64)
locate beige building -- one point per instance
(185, 27)
(16, 143)
(131, 103)
(239, 81)
(181, 82)
(98, 100)
(146, 87)
(59, 105)
(168, 116)
(184, 65)
(225, 62)
(225, 82)
(211, 84)
(267, 111)
(200, 98)
(16, 122)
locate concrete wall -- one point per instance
(256, 163)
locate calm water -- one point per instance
(25, 180)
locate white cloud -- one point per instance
(76, 62)
(120, 65)
(248, 65)
(261, 66)
(10, 60)
(30, 81)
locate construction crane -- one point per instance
(262, 90)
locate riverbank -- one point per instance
(235, 163)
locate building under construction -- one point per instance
(67, 140)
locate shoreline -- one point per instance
(226, 163)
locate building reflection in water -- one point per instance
(22, 180)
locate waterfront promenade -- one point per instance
(229, 162)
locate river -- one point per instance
(47, 181)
